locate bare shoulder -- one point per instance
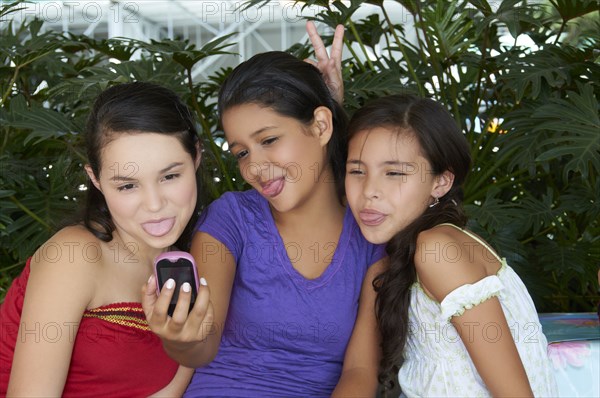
(71, 256)
(73, 233)
(72, 244)
(445, 260)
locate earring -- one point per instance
(435, 202)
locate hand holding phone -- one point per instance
(180, 267)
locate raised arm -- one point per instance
(361, 361)
(329, 65)
(193, 340)
(60, 286)
(496, 359)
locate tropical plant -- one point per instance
(529, 111)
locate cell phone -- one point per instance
(179, 266)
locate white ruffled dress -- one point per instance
(437, 363)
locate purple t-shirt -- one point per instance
(285, 335)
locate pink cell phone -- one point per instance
(180, 267)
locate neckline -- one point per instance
(286, 263)
(118, 305)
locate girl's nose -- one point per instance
(153, 199)
(371, 188)
(257, 170)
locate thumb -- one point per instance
(149, 296)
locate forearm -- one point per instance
(356, 382)
(39, 370)
(496, 360)
(178, 385)
(361, 362)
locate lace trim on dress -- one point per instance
(470, 295)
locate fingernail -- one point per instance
(151, 280)
(170, 284)
(203, 282)
(186, 287)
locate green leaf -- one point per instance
(518, 18)
(493, 213)
(9, 8)
(4, 193)
(571, 9)
(191, 57)
(568, 256)
(582, 198)
(540, 213)
(578, 125)
(483, 6)
(371, 84)
(44, 123)
(448, 24)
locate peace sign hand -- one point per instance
(329, 65)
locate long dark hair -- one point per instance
(446, 148)
(290, 87)
(130, 108)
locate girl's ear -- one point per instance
(442, 184)
(198, 155)
(322, 125)
(90, 173)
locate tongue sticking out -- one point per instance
(159, 228)
(371, 218)
(273, 188)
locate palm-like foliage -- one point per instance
(530, 114)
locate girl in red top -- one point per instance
(72, 323)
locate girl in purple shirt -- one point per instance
(291, 302)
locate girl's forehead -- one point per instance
(389, 136)
(383, 144)
(141, 146)
(249, 120)
(149, 139)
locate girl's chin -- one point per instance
(375, 237)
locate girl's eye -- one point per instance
(395, 173)
(125, 187)
(269, 141)
(240, 155)
(172, 176)
(357, 172)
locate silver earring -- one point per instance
(435, 202)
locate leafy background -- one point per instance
(530, 113)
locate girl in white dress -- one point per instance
(455, 319)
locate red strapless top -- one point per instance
(115, 353)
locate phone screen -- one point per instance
(180, 271)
